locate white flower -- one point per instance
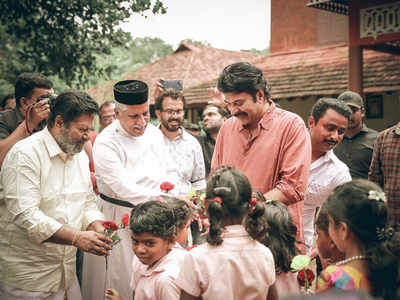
(378, 196)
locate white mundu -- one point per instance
(131, 169)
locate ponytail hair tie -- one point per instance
(218, 200)
(253, 202)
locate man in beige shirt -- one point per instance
(49, 209)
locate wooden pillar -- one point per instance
(355, 82)
(355, 64)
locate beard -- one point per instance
(69, 145)
(172, 128)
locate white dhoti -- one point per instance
(95, 277)
(11, 293)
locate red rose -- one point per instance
(301, 277)
(125, 220)
(188, 248)
(110, 225)
(166, 186)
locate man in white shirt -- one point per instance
(186, 167)
(49, 205)
(130, 162)
(327, 123)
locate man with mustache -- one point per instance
(130, 162)
(49, 209)
(186, 165)
(358, 142)
(327, 124)
(270, 145)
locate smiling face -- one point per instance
(134, 118)
(75, 134)
(245, 108)
(171, 114)
(328, 132)
(149, 249)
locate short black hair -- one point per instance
(27, 82)
(222, 111)
(70, 105)
(4, 100)
(153, 217)
(323, 104)
(243, 77)
(173, 94)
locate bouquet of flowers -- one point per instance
(197, 198)
(305, 276)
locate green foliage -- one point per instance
(137, 53)
(64, 38)
(256, 51)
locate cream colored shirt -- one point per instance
(240, 268)
(44, 189)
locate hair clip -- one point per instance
(378, 196)
(383, 233)
(218, 200)
(222, 189)
(269, 201)
(253, 202)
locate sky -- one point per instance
(225, 24)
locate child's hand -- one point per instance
(113, 295)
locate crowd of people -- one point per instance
(268, 189)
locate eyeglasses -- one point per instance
(170, 112)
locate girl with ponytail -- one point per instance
(232, 264)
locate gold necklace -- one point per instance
(347, 260)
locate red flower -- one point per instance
(166, 186)
(125, 220)
(301, 277)
(188, 248)
(110, 225)
(218, 200)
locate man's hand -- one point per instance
(217, 98)
(93, 242)
(158, 89)
(39, 112)
(96, 226)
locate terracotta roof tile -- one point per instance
(194, 64)
(318, 71)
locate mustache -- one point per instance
(331, 142)
(174, 120)
(240, 114)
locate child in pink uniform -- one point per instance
(158, 256)
(357, 214)
(231, 265)
(281, 240)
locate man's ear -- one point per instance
(260, 97)
(158, 114)
(59, 122)
(24, 103)
(362, 110)
(172, 241)
(311, 122)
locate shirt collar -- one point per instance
(52, 146)
(234, 231)
(396, 129)
(328, 156)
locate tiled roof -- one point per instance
(318, 71)
(194, 64)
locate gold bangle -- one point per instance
(75, 238)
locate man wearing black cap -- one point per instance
(358, 142)
(130, 164)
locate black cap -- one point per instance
(131, 92)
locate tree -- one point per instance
(64, 38)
